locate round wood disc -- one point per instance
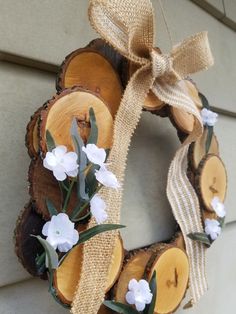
(68, 273)
(73, 103)
(182, 120)
(211, 180)
(43, 185)
(27, 247)
(91, 68)
(134, 268)
(197, 149)
(172, 275)
(32, 134)
(192, 91)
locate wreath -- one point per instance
(78, 143)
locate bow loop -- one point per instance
(128, 31)
(162, 68)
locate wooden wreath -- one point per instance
(95, 77)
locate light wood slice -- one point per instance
(43, 185)
(192, 91)
(92, 68)
(68, 274)
(197, 150)
(134, 268)
(178, 240)
(27, 247)
(75, 103)
(211, 180)
(172, 274)
(182, 120)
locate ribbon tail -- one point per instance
(180, 192)
(97, 253)
(185, 207)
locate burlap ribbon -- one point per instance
(128, 26)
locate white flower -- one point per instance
(212, 228)
(61, 163)
(107, 178)
(218, 207)
(98, 209)
(139, 294)
(94, 154)
(60, 232)
(208, 117)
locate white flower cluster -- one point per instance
(139, 294)
(208, 117)
(60, 230)
(61, 163)
(212, 226)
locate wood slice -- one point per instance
(178, 241)
(211, 180)
(190, 88)
(27, 247)
(172, 274)
(92, 68)
(68, 274)
(134, 268)
(32, 134)
(197, 150)
(183, 121)
(75, 103)
(43, 185)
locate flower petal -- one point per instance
(59, 175)
(73, 173)
(140, 306)
(133, 285)
(95, 154)
(50, 161)
(107, 178)
(59, 151)
(75, 238)
(129, 297)
(46, 228)
(65, 247)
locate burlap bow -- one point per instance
(128, 26)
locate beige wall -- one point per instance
(41, 33)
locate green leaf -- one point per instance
(88, 234)
(51, 208)
(209, 138)
(153, 287)
(93, 136)
(200, 237)
(50, 252)
(50, 141)
(120, 307)
(204, 100)
(82, 160)
(91, 181)
(221, 221)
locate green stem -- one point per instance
(68, 195)
(64, 186)
(82, 208)
(40, 259)
(82, 218)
